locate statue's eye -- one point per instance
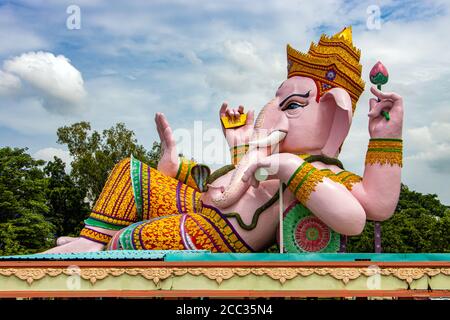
(294, 105)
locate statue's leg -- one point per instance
(161, 195)
(191, 231)
(64, 240)
(115, 209)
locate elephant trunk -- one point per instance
(223, 197)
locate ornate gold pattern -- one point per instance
(95, 236)
(238, 152)
(115, 206)
(348, 179)
(385, 152)
(304, 181)
(333, 62)
(282, 274)
(184, 172)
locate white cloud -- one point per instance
(47, 154)
(60, 83)
(9, 83)
(431, 144)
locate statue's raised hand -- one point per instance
(379, 126)
(168, 163)
(240, 135)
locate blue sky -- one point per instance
(131, 59)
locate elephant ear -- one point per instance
(339, 99)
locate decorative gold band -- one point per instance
(238, 152)
(348, 179)
(95, 236)
(385, 152)
(184, 172)
(304, 181)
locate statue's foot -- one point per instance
(77, 245)
(63, 240)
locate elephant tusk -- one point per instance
(272, 139)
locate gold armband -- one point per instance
(184, 172)
(238, 152)
(95, 236)
(304, 181)
(385, 151)
(348, 179)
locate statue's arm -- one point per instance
(236, 137)
(379, 190)
(329, 200)
(169, 161)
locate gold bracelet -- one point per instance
(385, 151)
(95, 236)
(184, 172)
(304, 181)
(238, 152)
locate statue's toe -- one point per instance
(64, 240)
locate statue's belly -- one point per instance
(263, 233)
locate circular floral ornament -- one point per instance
(331, 75)
(304, 232)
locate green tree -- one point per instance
(23, 227)
(155, 154)
(65, 199)
(96, 154)
(420, 224)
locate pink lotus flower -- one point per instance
(379, 74)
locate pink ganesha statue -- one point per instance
(295, 141)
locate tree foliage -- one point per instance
(23, 204)
(420, 224)
(96, 154)
(66, 200)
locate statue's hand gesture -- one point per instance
(379, 126)
(241, 135)
(168, 163)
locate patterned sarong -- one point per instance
(157, 212)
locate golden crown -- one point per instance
(333, 62)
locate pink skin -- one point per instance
(70, 244)
(379, 191)
(241, 135)
(316, 128)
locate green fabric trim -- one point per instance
(136, 184)
(385, 149)
(179, 168)
(188, 173)
(350, 175)
(304, 179)
(100, 224)
(242, 145)
(295, 172)
(125, 238)
(386, 139)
